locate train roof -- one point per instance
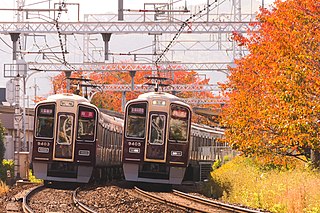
(208, 129)
(66, 96)
(158, 94)
(163, 95)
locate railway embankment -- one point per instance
(240, 181)
(295, 188)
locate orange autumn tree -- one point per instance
(274, 91)
(112, 100)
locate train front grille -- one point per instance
(154, 171)
(62, 169)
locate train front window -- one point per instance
(179, 121)
(157, 125)
(86, 124)
(65, 129)
(44, 121)
(136, 120)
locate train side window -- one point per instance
(179, 123)
(108, 139)
(86, 124)
(44, 121)
(136, 120)
(65, 129)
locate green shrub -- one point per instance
(2, 148)
(4, 167)
(33, 179)
(217, 164)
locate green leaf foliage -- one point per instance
(2, 148)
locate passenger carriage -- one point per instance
(73, 140)
(156, 138)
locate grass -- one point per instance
(243, 181)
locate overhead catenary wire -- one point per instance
(61, 45)
(5, 43)
(183, 25)
(59, 32)
(60, 37)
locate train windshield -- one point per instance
(65, 129)
(86, 124)
(157, 125)
(179, 123)
(136, 120)
(44, 121)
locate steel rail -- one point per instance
(162, 200)
(26, 198)
(212, 203)
(81, 206)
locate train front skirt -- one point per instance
(63, 172)
(132, 172)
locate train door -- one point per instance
(156, 142)
(64, 143)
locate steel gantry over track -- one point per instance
(154, 19)
(111, 67)
(158, 20)
(146, 88)
(122, 27)
(172, 88)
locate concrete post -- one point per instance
(106, 39)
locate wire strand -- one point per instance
(183, 25)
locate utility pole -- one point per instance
(19, 116)
(17, 112)
(120, 10)
(237, 50)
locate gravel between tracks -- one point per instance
(112, 198)
(14, 195)
(53, 200)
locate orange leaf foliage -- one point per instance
(274, 91)
(112, 100)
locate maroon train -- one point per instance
(74, 141)
(157, 138)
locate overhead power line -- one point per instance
(184, 24)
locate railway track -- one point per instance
(215, 204)
(109, 198)
(191, 203)
(79, 204)
(26, 198)
(43, 201)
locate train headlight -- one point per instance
(176, 153)
(134, 150)
(159, 102)
(84, 152)
(65, 103)
(43, 149)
